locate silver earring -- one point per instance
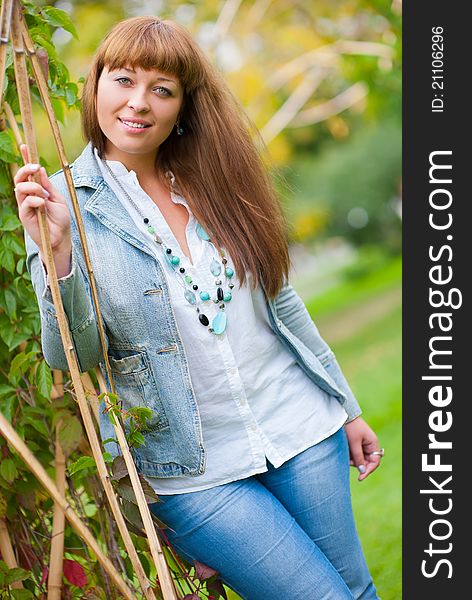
(179, 129)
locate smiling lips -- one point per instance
(134, 124)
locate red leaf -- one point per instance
(44, 578)
(216, 586)
(202, 571)
(191, 597)
(74, 573)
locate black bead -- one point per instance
(169, 251)
(220, 294)
(224, 261)
(203, 319)
(146, 220)
(182, 269)
(195, 286)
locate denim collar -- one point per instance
(85, 169)
(102, 202)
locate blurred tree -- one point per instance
(306, 74)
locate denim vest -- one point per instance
(146, 354)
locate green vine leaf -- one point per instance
(44, 379)
(59, 18)
(19, 365)
(8, 470)
(21, 594)
(9, 222)
(70, 434)
(7, 150)
(84, 463)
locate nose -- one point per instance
(138, 102)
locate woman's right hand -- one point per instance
(30, 196)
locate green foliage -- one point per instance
(362, 172)
(9, 577)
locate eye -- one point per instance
(163, 91)
(123, 79)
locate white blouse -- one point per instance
(255, 402)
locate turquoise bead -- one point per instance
(219, 323)
(215, 267)
(227, 297)
(204, 296)
(229, 272)
(202, 234)
(175, 260)
(190, 297)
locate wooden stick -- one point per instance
(26, 113)
(5, 19)
(56, 559)
(165, 578)
(92, 395)
(12, 122)
(39, 472)
(6, 550)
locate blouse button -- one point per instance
(279, 323)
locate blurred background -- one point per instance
(322, 82)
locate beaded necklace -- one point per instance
(217, 267)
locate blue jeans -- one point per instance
(287, 534)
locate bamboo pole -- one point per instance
(56, 558)
(57, 390)
(26, 113)
(164, 575)
(6, 550)
(5, 20)
(92, 395)
(39, 472)
(12, 122)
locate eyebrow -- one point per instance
(157, 78)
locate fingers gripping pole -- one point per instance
(21, 77)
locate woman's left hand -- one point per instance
(362, 442)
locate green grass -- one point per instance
(354, 291)
(371, 362)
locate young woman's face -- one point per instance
(137, 109)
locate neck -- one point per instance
(142, 164)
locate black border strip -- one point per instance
(437, 256)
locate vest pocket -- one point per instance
(135, 385)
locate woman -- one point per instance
(253, 424)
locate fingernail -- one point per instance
(361, 468)
(46, 193)
(34, 166)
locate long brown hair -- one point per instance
(215, 162)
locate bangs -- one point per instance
(149, 43)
